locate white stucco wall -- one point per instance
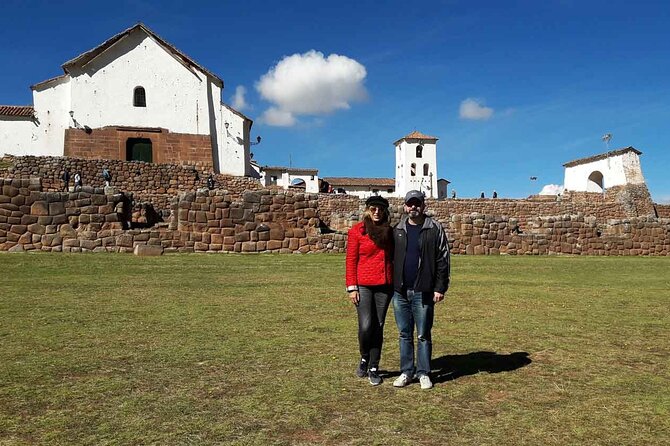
(405, 156)
(233, 142)
(176, 98)
(616, 171)
(17, 135)
(52, 107)
(365, 192)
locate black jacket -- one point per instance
(434, 263)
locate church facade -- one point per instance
(133, 97)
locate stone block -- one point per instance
(248, 246)
(39, 208)
(242, 237)
(56, 208)
(148, 250)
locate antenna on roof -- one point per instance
(606, 139)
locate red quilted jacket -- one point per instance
(367, 263)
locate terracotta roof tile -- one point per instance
(291, 169)
(351, 181)
(416, 135)
(17, 110)
(601, 156)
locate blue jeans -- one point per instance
(412, 308)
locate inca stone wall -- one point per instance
(205, 221)
(240, 216)
(482, 234)
(663, 210)
(152, 183)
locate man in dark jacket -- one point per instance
(420, 279)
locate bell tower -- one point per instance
(416, 164)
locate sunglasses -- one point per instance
(414, 204)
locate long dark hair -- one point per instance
(380, 233)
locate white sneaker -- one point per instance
(425, 381)
(403, 380)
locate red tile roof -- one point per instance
(296, 170)
(416, 135)
(86, 57)
(17, 110)
(350, 181)
(602, 156)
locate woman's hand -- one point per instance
(355, 297)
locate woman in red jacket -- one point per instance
(369, 280)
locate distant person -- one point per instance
(420, 280)
(107, 176)
(453, 193)
(495, 194)
(77, 182)
(369, 280)
(482, 195)
(210, 182)
(66, 180)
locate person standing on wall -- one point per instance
(106, 176)
(421, 278)
(77, 182)
(66, 180)
(369, 281)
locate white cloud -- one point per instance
(552, 189)
(277, 117)
(311, 84)
(238, 100)
(472, 108)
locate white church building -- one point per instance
(599, 172)
(133, 97)
(415, 169)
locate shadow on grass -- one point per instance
(450, 367)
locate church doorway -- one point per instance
(139, 149)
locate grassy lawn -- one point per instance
(261, 349)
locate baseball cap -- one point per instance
(376, 200)
(414, 194)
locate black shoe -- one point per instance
(374, 377)
(362, 370)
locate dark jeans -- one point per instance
(372, 307)
(412, 308)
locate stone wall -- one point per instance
(241, 216)
(206, 221)
(156, 184)
(577, 235)
(57, 221)
(663, 210)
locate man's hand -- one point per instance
(438, 297)
(355, 297)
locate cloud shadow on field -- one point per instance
(450, 367)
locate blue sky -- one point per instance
(512, 89)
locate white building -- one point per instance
(599, 172)
(362, 187)
(416, 164)
(287, 177)
(134, 97)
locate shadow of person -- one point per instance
(450, 367)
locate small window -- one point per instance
(425, 170)
(419, 151)
(412, 171)
(139, 97)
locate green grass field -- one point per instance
(261, 349)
